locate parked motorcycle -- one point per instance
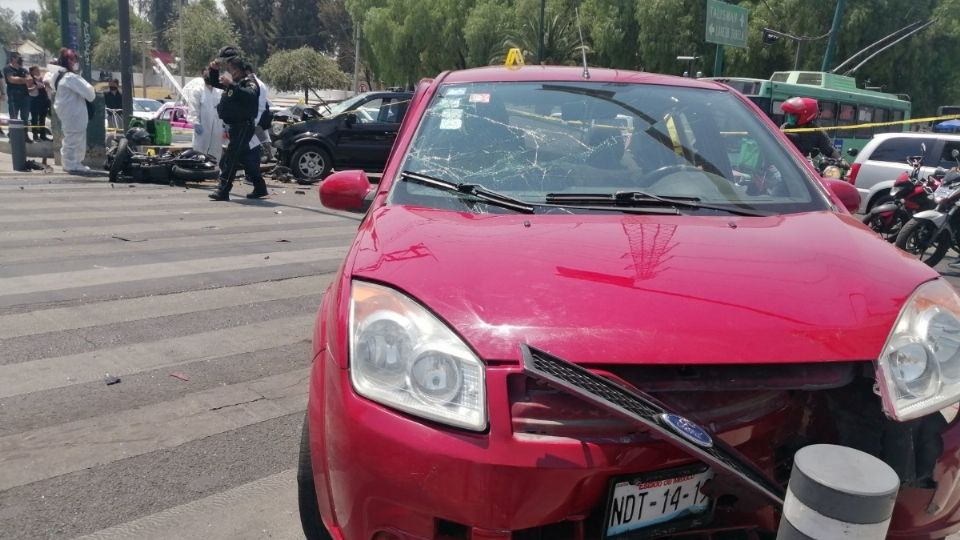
(911, 194)
(931, 233)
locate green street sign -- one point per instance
(726, 24)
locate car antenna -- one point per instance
(583, 48)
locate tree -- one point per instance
(29, 22)
(338, 28)
(484, 30)
(204, 33)
(106, 53)
(614, 32)
(297, 23)
(253, 20)
(9, 33)
(103, 15)
(302, 69)
(561, 39)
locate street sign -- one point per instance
(726, 24)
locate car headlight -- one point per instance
(919, 369)
(402, 356)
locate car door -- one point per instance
(889, 159)
(367, 142)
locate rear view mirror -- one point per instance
(347, 190)
(848, 195)
(852, 152)
(955, 153)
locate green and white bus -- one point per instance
(841, 103)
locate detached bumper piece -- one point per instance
(729, 465)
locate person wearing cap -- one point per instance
(238, 110)
(17, 79)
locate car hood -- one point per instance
(646, 289)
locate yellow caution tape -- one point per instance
(875, 124)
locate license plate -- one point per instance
(652, 502)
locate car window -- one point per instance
(392, 110)
(369, 111)
(535, 139)
(946, 159)
(896, 149)
(146, 105)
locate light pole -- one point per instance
(540, 47)
(143, 70)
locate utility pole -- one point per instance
(180, 31)
(540, 48)
(356, 58)
(143, 70)
(126, 62)
(834, 31)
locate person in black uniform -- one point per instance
(113, 98)
(238, 109)
(802, 112)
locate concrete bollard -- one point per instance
(18, 144)
(837, 492)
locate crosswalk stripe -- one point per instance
(128, 245)
(56, 450)
(265, 508)
(58, 372)
(72, 216)
(102, 276)
(98, 203)
(149, 307)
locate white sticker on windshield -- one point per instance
(458, 91)
(449, 103)
(479, 98)
(452, 113)
(451, 123)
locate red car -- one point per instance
(575, 290)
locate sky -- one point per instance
(20, 5)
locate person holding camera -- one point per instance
(238, 108)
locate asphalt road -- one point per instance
(203, 310)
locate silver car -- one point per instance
(885, 156)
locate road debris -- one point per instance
(179, 375)
(109, 379)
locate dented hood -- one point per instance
(611, 288)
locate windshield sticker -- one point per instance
(453, 114)
(451, 123)
(479, 98)
(449, 103)
(458, 91)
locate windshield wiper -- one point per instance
(475, 190)
(643, 198)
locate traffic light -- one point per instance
(769, 36)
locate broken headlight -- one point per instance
(919, 368)
(402, 356)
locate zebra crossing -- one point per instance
(203, 311)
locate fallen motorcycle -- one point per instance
(125, 164)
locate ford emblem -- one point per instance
(687, 429)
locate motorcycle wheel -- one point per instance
(120, 160)
(916, 238)
(887, 228)
(183, 174)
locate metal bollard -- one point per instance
(18, 144)
(838, 492)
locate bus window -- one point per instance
(880, 116)
(896, 116)
(864, 116)
(828, 113)
(847, 116)
(776, 113)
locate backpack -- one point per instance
(266, 119)
(56, 84)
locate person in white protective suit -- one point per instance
(202, 99)
(71, 92)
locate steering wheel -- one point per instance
(656, 175)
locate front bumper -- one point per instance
(390, 474)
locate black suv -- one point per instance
(356, 134)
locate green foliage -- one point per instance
(9, 33)
(29, 22)
(484, 31)
(103, 17)
(302, 69)
(204, 32)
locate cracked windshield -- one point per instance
(562, 145)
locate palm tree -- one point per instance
(561, 41)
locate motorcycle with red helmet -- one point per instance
(800, 113)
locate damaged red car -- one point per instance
(588, 303)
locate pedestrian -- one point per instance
(39, 105)
(202, 100)
(17, 78)
(3, 97)
(70, 96)
(113, 98)
(238, 110)
(261, 138)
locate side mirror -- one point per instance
(848, 195)
(348, 191)
(955, 153)
(349, 119)
(852, 152)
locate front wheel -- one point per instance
(917, 238)
(887, 224)
(311, 163)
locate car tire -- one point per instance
(194, 175)
(313, 528)
(913, 238)
(877, 200)
(121, 159)
(311, 163)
